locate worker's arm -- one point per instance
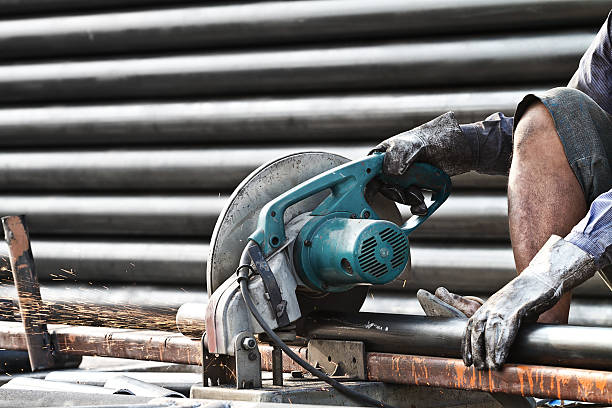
(562, 264)
(485, 147)
(593, 76)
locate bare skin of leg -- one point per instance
(544, 196)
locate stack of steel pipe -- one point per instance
(124, 125)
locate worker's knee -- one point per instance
(535, 131)
(562, 127)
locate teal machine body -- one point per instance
(345, 243)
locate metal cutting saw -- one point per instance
(308, 231)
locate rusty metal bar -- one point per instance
(525, 380)
(126, 343)
(541, 381)
(31, 307)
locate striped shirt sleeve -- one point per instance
(594, 74)
(593, 234)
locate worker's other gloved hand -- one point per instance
(558, 267)
(446, 304)
(439, 142)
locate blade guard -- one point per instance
(347, 184)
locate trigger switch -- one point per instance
(411, 196)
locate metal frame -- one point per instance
(41, 351)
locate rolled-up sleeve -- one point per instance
(593, 233)
(491, 143)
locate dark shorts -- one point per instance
(585, 131)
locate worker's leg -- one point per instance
(554, 175)
(561, 163)
(544, 196)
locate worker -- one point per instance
(557, 152)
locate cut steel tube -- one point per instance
(31, 307)
(190, 320)
(14, 361)
(280, 119)
(525, 380)
(504, 60)
(274, 22)
(559, 345)
(584, 311)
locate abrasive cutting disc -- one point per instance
(238, 219)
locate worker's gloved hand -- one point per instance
(439, 142)
(558, 267)
(446, 304)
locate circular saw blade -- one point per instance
(238, 219)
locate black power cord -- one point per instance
(244, 289)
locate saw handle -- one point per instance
(425, 177)
(347, 184)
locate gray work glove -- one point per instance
(439, 142)
(443, 303)
(558, 267)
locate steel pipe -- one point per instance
(145, 297)
(462, 216)
(557, 345)
(275, 22)
(150, 215)
(474, 269)
(525, 380)
(149, 262)
(88, 314)
(14, 361)
(10, 8)
(583, 312)
(502, 60)
(163, 170)
(476, 217)
(130, 307)
(367, 117)
(190, 319)
(469, 268)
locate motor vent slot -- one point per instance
(368, 261)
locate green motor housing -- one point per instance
(334, 254)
